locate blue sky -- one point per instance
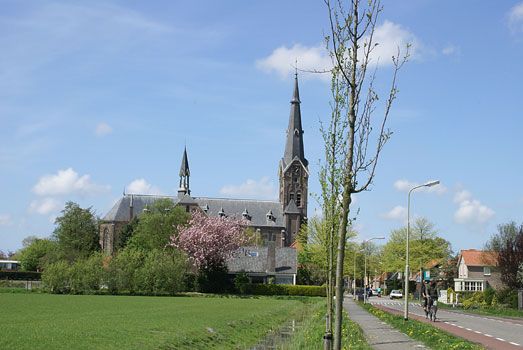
(96, 96)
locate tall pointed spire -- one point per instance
(294, 144)
(185, 174)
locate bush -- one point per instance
(162, 272)
(507, 297)
(241, 283)
(489, 294)
(285, 289)
(473, 300)
(214, 280)
(87, 275)
(57, 277)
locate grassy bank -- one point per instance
(44, 321)
(488, 311)
(431, 336)
(310, 334)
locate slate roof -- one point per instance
(294, 143)
(257, 209)
(286, 260)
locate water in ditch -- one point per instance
(278, 338)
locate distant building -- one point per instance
(477, 270)
(275, 221)
(262, 263)
(9, 265)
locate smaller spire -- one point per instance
(296, 95)
(185, 174)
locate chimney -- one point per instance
(271, 258)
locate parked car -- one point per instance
(396, 293)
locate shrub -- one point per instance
(162, 272)
(285, 289)
(56, 277)
(87, 275)
(474, 300)
(213, 280)
(507, 297)
(489, 294)
(241, 283)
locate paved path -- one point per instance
(491, 332)
(379, 334)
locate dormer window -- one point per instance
(270, 216)
(221, 213)
(246, 215)
(205, 208)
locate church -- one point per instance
(276, 222)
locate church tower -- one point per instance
(294, 173)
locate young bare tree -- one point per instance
(351, 46)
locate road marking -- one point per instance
(500, 339)
(468, 329)
(514, 343)
(477, 332)
(488, 335)
(460, 326)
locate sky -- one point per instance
(101, 96)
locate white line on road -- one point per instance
(488, 335)
(514, 343)
(500, 339)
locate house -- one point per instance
(477, 270)
(264, 263)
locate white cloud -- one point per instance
(283, 60)
(67, 182)
(5, 220)
(45, 206)
(103, 129)
(515, 18)
(450, 50)
(140, 186)
(406, 185)
(396, 213)
(470, 210)
(389, 36)
(264, 189)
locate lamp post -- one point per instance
(406, 286)
(365, 260)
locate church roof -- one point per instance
(257, 209)
(254, 259)
(292, 208)
(294, 144)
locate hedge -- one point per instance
(284, 289)
(20, 275)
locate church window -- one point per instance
(298, 199)
(106, 241)
(291, 196)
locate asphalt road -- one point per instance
(493, 332)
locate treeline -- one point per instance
(133, 271)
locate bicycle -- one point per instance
(432, 309)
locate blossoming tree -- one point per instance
(210, 241)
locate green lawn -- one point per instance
(46, 321)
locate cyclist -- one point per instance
(425, 296)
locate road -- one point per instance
(492, 332)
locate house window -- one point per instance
(473, 286)
(252, 254)
(486, 270)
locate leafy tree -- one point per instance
(157, 224)
(162, 272)
(57, 277)
(425, 246)
(209, 241)
(351, 44)
(37, 253)
(76, 232)
(88, 274)
(508, 244)
(126, 233)
(124, 270)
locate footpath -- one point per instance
(379, 334)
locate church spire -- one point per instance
(294, 143)
(185, 173)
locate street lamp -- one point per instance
(406, 286)
(365, 274)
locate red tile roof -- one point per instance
(474, 257)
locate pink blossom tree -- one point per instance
(210, 241)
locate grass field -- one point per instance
(45, 321)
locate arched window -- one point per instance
(106, 241)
